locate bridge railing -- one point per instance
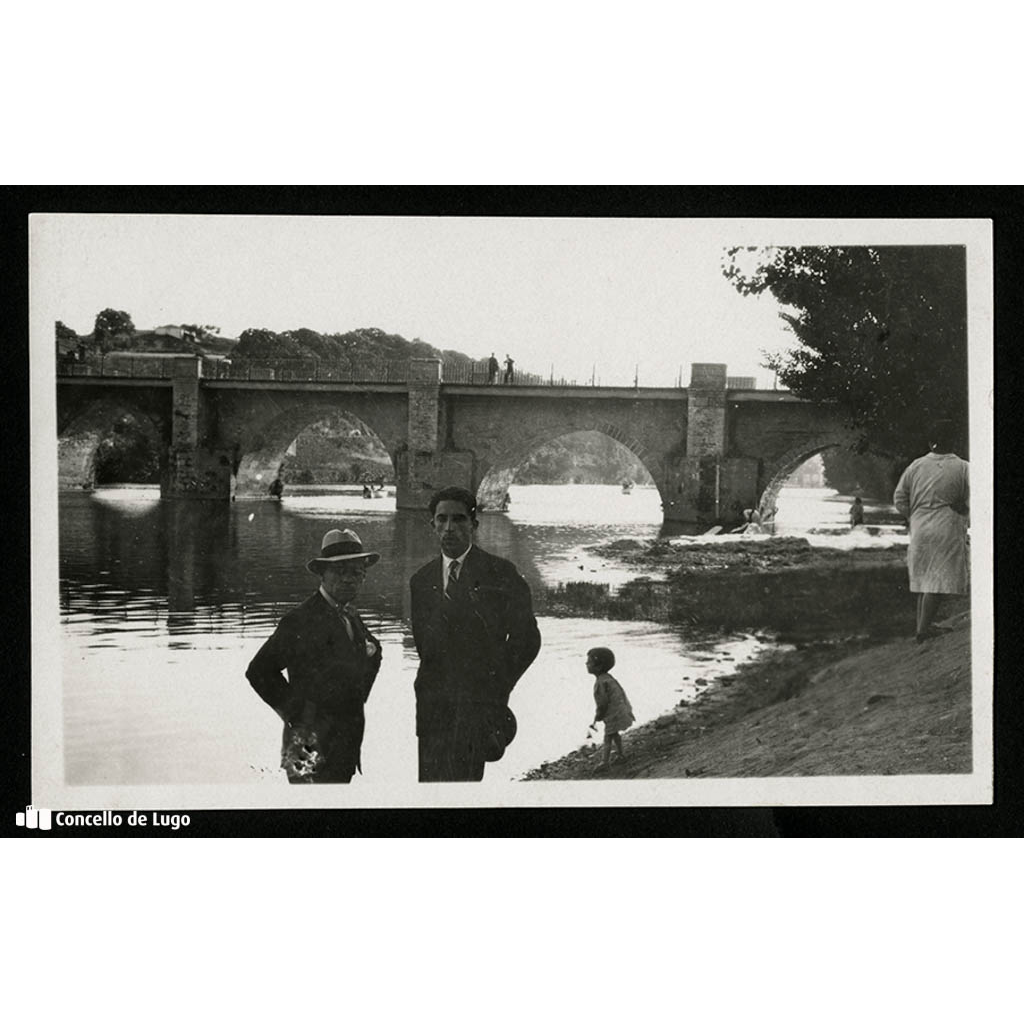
(116, 364)
(459, 372)
(161, 366)
(383, 372)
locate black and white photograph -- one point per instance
(367, 511)
(418, 439)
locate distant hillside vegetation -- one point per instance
(116, 332)
(364, 343)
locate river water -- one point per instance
(164, 603)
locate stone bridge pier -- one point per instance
(195, 468)
(708, 481)
(425, 464)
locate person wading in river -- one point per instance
(475, 633)
(332, 660)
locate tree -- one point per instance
(65, 333)
(127, 455)
(867, 475)
(881, 332)
(112, 326)
(261, 343)
(200, 332)
(366, 345)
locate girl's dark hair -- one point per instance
(604, 660)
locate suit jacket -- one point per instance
(474, 649)
(328, 673)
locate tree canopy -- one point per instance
(112, 324)
(881, 332)
(866, 475)
(369, 344)
(200, 332)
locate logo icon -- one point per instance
(34, 817)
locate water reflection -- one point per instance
(164, 603)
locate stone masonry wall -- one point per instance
(424, 404)
(705, 434)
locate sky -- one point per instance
(607, 298)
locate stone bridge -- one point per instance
(710, 449)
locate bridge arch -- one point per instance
(779, 469)
(497, 467)
(258, 456)
(82, 434)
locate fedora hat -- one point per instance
(340, 546)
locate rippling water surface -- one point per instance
(164, 603)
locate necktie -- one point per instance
(452, 589)
(347, 622)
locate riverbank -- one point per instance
(780, 584)
(848, 692)
(838, 707)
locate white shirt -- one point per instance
(446, 566)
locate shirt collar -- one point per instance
(330, 600)
(446, 561)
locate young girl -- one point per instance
(612, 704)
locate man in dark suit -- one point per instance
(332, 660)
(475, 632)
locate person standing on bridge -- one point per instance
(510, 368)
(492, 369)
(332, 660)
(476, 634)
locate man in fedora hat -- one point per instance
(332, 660)
(475, 632)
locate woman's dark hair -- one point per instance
(460, 494)
(942, 435)
(604, 660)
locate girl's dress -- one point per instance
(613, 707)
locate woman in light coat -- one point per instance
(933, 495)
